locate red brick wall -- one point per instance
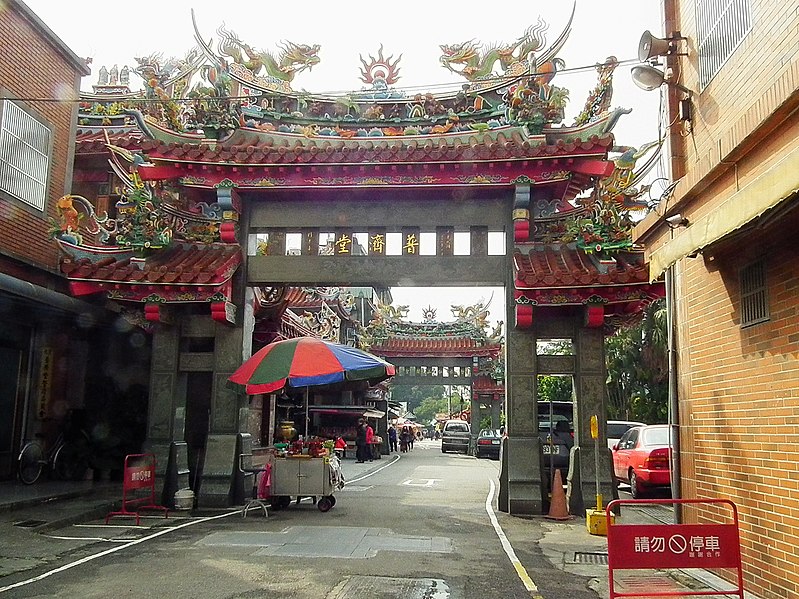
(739, 408)
(739, 387)
(31, 67)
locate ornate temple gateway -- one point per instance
(459, 353)
(217, 185)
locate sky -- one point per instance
(350, 29)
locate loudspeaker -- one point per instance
(651, 46)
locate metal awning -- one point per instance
(353, 411)
(777, 184)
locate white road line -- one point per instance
(355, 480)
(517, 565)
(89, 558)
(94, 539)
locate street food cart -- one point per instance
(303, 475)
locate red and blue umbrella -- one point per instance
(308, 362)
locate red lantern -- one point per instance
(594, 316)
(152, 312)
(524, 316)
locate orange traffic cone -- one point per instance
(557, 500)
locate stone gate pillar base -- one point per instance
(521, 490)
(581, 493)
(223, 484)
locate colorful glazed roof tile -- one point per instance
(540, 266)
(390, 335)
(429, 347)
(182, 272)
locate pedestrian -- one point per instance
(370, 441)
(360, 442)
(411, 437)
(392, 438)
(405, 439)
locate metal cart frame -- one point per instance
(304, 476)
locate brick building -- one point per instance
(731, 255)
(50, 340)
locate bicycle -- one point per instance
(66, 460)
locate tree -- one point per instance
(554, 388)
(637, 364)
(414, 395)
(427, 410)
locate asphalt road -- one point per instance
(423, 526)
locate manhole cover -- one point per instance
(591, 558)
(390, 588)
(30, 523)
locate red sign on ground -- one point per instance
(139, 474)
(660, 546)
(674, 546)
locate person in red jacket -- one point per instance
(370, 439)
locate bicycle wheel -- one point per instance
(30, 463)
(70, 462)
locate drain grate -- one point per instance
(30, 523)
(600, 559)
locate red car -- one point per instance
(641, 458)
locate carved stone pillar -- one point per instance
(167, 414)
(590, 392)
(496, 410)
(521, 490)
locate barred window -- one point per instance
(721, 26)
(24, 155)
(754, 294)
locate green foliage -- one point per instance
(485, 421)
(427, 410)
(414, 395)
(554, 388)
(637, 365)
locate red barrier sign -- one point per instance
(659, 546)
(139, 474)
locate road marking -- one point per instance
(368, 474)
(95, 539)
(428, 482)
(95, 556)
(521, 572)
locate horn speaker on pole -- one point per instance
(651, 46)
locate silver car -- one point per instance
(455, 436)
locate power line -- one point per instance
(499, 80)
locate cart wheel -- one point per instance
(324, 504)
(332, 499)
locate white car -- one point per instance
(616, 428)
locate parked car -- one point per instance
(617, 428)
(488, 443)
(556, 432)
(641, 458)
(455, 436)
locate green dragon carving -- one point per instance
(293, 58)
(480, 65)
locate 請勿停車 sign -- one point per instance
(663, 546)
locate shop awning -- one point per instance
(777, 184)
(353, 411)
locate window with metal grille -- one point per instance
(754, 294)
(24, 155)
(721, 26)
